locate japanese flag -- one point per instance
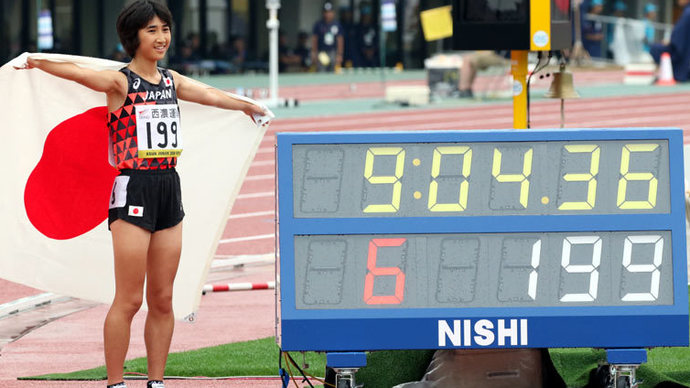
(57, 181)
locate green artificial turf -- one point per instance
(663, 365)
(384, 369)
(574, 365)
(251, 358)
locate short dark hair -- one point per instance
(135, 17)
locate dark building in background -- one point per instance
(87, 27)
(212, 28)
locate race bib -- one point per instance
(158, 131)
(118, 196)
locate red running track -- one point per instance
(482, 84)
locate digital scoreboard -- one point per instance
(475, 239)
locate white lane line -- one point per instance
(252, 214)
(260, 177)
(262, 163)
(257, 195)
(247, 238)
(266, 150)
(225, 262)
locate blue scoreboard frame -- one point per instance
(359, 329)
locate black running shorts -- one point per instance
(151, 199)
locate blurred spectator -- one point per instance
(216, 49)
(649, 31)
(367, 38)
(679, 47)
(194, 42)
(238, 54)
(327, 41)
(592, 31)
(479, 60)
(119, 54)
(287, 59)
(243, 59)
(619, 9)
(618, 34)
(184, 61)
(350, 48)
(303, 50)
(238, 24)
(217, 60)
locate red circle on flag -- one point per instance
(67, 193)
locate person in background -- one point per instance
(367, 39)
(194, 41)
(350, 48)
(287, 59)
(621, 37)
(679, 47)
(619, 9)
(238, 54)
(119, 54)
(649, 31)
(592, 31)
(303, 50)
(182, 61)
(478, 60)
(327, 41)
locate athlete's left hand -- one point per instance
(260, 114)
(29, 64)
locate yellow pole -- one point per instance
(518, 68)
(540, 25)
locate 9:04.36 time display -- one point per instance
(481, 178)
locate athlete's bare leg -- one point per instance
(130, 247)
(163, 259)
(468, 73)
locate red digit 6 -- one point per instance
(374, 271)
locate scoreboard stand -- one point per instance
(345, 365)
(623, 364)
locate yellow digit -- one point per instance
(650, 203)
(514, 178)
(590, 177)
(399, 153)
(436, 170)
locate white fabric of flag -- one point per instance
(56, 184)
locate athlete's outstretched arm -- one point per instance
(190, 90)
(106, 81)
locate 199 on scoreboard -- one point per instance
(550, 238)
